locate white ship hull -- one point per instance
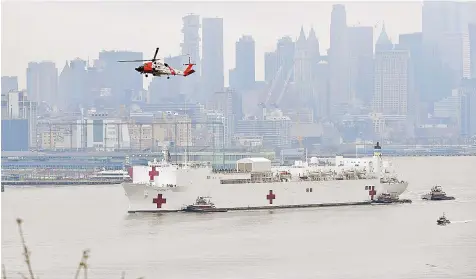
(145, 198)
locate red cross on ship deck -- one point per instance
(372, 192)
(153, 173)
(159, 201)
(270, 196)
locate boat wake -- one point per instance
(461, 222)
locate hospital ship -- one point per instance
(164, 186)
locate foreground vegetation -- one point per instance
(26, 254)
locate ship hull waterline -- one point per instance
(144, 198)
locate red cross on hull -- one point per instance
(159, 201)
(153, 173)
(270, 196)
(372, 192)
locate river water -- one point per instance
(386, 241)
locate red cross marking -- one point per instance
(159, 201)
(271, 196)
(153, 173)
(372, 192)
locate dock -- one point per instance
(58, 182)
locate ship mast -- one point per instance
(186, 146)
(378, 157)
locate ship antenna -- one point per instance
(213, 143)
(223, 146)
(186, 150)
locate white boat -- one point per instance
(163, 186)
(114, 175)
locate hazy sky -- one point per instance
(60, 31)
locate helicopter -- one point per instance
(157, 68)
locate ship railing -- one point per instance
(233, 176)
(235, 181)
(227, 171)
(153, 185)
(252, 179)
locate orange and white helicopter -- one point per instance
(157, 68)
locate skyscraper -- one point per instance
(191, 40)
(321, 92)
(472, 46)
(245, 63)
(42, 82)
(339, 62)
(468, 107)
(277, 85)
(361, 62)
(191, 46)
(120, 77)
(306, 57)
(392, 83)
(270, 66)
(383, 42)
(9, 84)
(73, 86)
(440, 18)
(212, 56)
(455, 55)
(413, 43)
(302, 71)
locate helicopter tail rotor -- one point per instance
(189, 62)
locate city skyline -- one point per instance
(17, 50)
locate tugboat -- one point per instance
(443, 221)
(385, 198)
(203, 204)
(437, 194)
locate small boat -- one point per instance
(437, 194)
(443, 221)
(203, 204)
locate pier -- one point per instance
(59, 182)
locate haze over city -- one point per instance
(275, 75)
(141, 26)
